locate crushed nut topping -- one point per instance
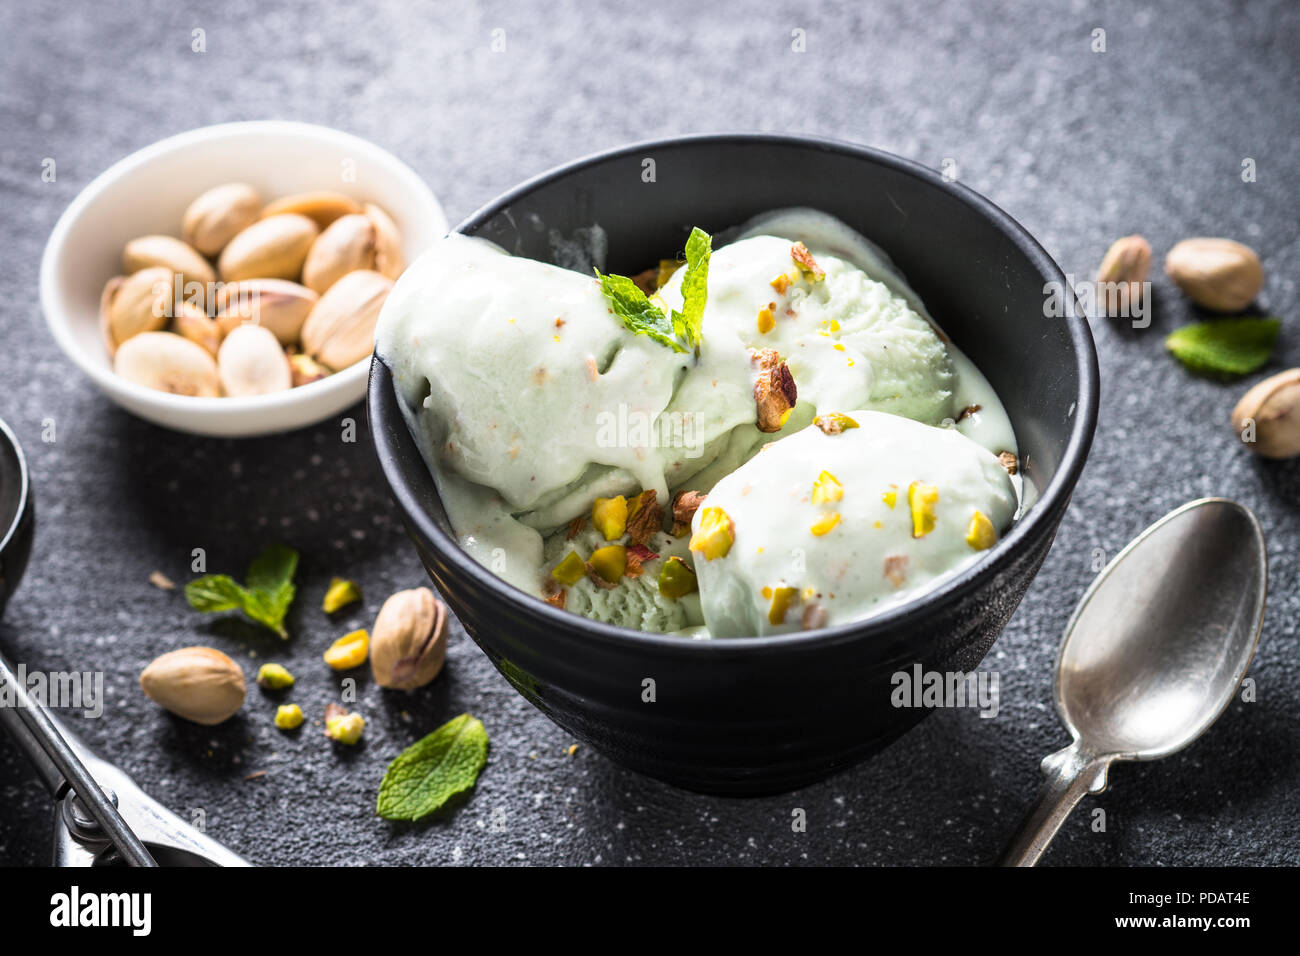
(1009, 461)
(575, 527)
(637, 556)
(968, 411)
(806, 263)
(896, 570)
(833, 423)
(775, 393)
(685, 504)
(814, 616)
(557, 599)
(645, 517)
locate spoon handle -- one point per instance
(1070, 774)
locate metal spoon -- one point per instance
(1153, 654)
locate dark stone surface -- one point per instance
(1080, 146)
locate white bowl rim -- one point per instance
(348, 379)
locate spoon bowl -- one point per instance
(1153, 653)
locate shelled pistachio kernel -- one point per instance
(342, 726)
(782, 598)
(340, 594)
(826, 489)
(825, 522)
(890, 497)
(676, 579)
(610, 562)
(571, 570)
(980, 533)
(349, 651)
(716, 535)
(609, 517)
(274, 677)
(765, 321)
(289, 716)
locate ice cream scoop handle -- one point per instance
(1070, 774)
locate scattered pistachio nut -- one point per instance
(177, 257)
(274, 676)
(348, 651)
(277, 304)
(685, 504)
(571, 570)
(169, 363)
(676, 579)
(340, 594)
(609, 517)
(608, 564)
(1267, 419)
(833, 423)
(200, 684)
(343, 726)
(409, 640)
(289, 716)
(826, 489)
(716, 535)
(218, 215)
(980, 533)
(340, 330)
(826, 523)
(1219, 274)
(273, 248)
(251, 362)
(775, 394)
(140, 302)
(921, 501)
(1127, 264)
(322, 207)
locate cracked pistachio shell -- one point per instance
(252, 362)
(408, 643)
(192, 323)
(272, 248)
(218, 215)
(176, 257)
(277, 304)
(130, 305)
(347, 244)
(169, 363)
(322, 207)
(388, 242)
(340, 330)
(198, 683)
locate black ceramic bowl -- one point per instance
(17, 514)
(754, 715)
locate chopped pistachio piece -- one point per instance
(890, 497)
(980, 533)
(832, 423)
(826, 489)
(676, 579)
(609, 516)
(716, 535)
(782, 598)
(765, 321)
(921, 499)
(274, 677)
(343, 726)
(350, 650)
(340, 594)
(289, 716)
(610, 562)
(825, 522)
(807, 265)
(571, 570)
(782, 282)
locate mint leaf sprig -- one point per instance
(1225, 347)
(682, 330)
(433, 770)
(264, 600)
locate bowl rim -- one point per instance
(10, 528)
(1054, 498)
(304, 397)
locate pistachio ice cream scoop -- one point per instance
(854, 513)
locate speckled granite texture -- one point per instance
(1080, 146)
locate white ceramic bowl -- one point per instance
(148, 191)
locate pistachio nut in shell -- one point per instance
(218, 215)
(140, 302)
(271, 248)
(251, 361)
(277, 304)
(1267, 419)
(346, 244)
(1218, 274)
(322, 206)
(388, 242)
(340, 330)
(192, 323)
(177, 257)
(408, 643)
(169, 363)
(198, 683)
(1126, 266)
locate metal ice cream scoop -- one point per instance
(1153, 654)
